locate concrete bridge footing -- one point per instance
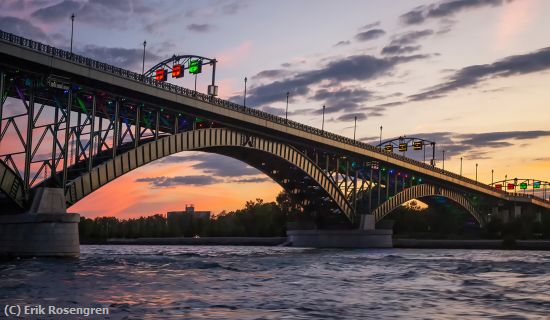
(46, 230)
(341, 238)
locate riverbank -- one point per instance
(278, 241)
(206, 241)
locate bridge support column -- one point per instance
(46, 230)
(341, 238)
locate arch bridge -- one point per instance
(73, 123)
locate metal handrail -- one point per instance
(97, 65)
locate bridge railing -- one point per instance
(97, 65)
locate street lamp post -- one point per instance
(286, 113)
(443, 159)
(323, 124)
(461, 166)
(354, 128)
(476, 172)
(244, 102)
(492, 176)
(72, 30)
(380, 137)
(143, 65)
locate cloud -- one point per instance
(251, 180)
(351, 117)
(214, 164)
(352, 68)
(397, 49)
(166, 182)
(233, 7)
(22, 28)
(445, 9)
(120, 57)
(60, 11)
(342, 43)
(342, 99)
(370, 25)
(472, 75)
(270, 74)
(471, 145)
(205, 27)
(410, 37)
(370, 35)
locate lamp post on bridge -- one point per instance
(443, 159)
(323, 123)
(492, 176)
(286, 113)
(476, 172)
(354, 128)
(72, 30)
(244, 101)
(461, 166)
(380, 137)
(143, 65)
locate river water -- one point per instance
(223, 282)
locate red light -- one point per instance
(177, 71)
(511, 186)
(160, 75)
(498, 186)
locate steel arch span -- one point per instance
(271, 157)
(423, 191)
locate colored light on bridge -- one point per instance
(511, 186)
(523, 185)
(417, 145)
(177, 71)
(402, 147)
(536, 184)
(498, 186)
(388, 147)
(161, 75)
(195, 66)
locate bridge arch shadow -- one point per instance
(283, 163)
(425, 191)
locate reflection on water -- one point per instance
(185, 282)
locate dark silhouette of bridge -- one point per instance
(85, 123)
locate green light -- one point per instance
(523, 185)
(536, 184)
(413, 178)
(419, 180)
(195, 66)
(82, 105)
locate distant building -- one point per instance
(189, 213)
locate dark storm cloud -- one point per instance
(120, 57)
(446, 9)
(22, 28)
(216, 165)
(166, 182)
(472, 75)
(397, 49)
(370, 35)
(410, 37)
(493, 139)
(205, 27)
(359, 67)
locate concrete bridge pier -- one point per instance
(366, 236)
(45, 230)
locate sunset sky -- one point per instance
(472, 75)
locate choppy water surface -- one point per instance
(184, 282)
